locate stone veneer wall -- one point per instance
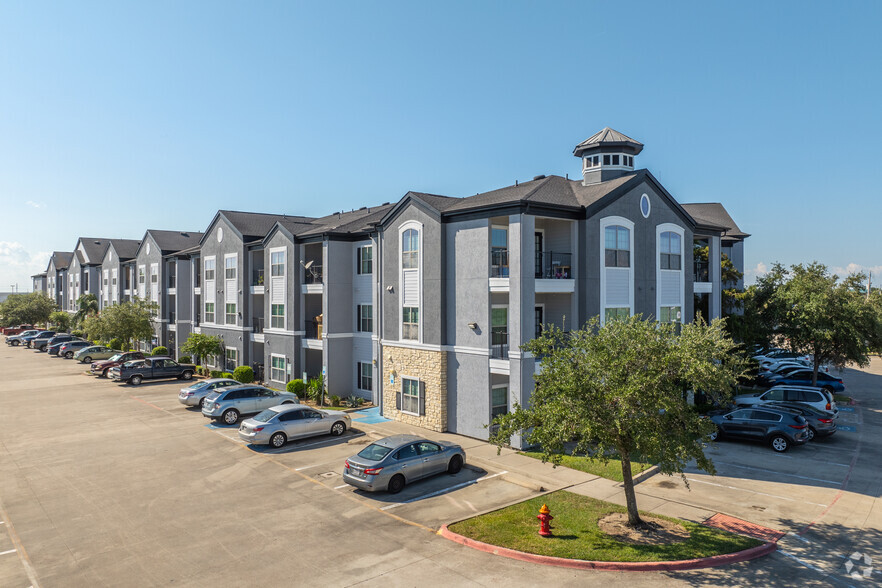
(431, 368)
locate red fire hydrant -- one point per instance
(545, 518)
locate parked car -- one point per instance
(26, 341)
(60, 338)
(820, 422)
(9, 331)
(102, 368)
(779, 428)
(195, 394)
(16, 340)
(782, 354)
(818, 399)
(804, 378)
(151, 368)
(227, 405)
(41, 340)
(391, 463)
(69, 349)
(279, 424)
(93, 352)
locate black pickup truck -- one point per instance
(151, 368)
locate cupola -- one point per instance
(606, 155)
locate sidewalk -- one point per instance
(534, 474)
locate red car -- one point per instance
(9, 331)
(102, 368)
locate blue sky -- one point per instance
(118, 117)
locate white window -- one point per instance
(365, 261)
(140, 274)
(669, 314)
(365, 376)
(230, 268)
(209, 312)
(365, 318)
(277, 316)
(498, 401)
(618, 246)
(230, 313)
(669, 251)
(616, 267)
(231, 359)
(410, 396)
(209, 269)
(670, 277)
(612, 313)
(277, 368)
(410, 323)
(277, 263)
(410, 249)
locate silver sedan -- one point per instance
(195, 394)
(279, 424)
(391, 463)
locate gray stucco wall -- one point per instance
(467, 272)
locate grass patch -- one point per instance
(611, 470)
(841, 398)
(577, 536)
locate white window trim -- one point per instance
(359, 247)
(412, 224)
(284, 314)
(236, 349)
(419, 394)
(507, 388)
(628, 224)
(664, 228)
(358, 365)
(284, 370)
(206, 260)
(544, 316)
(284, 251)
(231, 256)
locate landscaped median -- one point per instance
(588, 534)
(611, 470)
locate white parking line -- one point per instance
(341, 486)
(754, 492)
(735, 465)
(334, 440)
(442, 491)
(5, 552)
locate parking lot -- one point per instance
(109, 484)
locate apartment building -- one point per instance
(38, 282)
(115, 272)
(56, 277)
(84, 273)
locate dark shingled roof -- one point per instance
(608, 137)
(713, 214)
(255, 225)
(125, 248)
(352, 222)
(62, 259)
(171, 241)
(94, 247)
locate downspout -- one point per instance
(379, 289)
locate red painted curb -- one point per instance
(621, 566)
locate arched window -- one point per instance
(618, 246)
(670, 251)
(410, 249)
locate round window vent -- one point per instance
(645, 206)
(220, 234)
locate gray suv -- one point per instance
(778, 427)
(227, 405)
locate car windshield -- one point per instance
(134, 363)
(116, 357)
(265, 416)
(374, 452)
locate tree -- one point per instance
(201, 346)
(26, 309)
(617, 390)
(729, 277)
(60, 320)
(87, 305)
(129, 321)
(818, 314)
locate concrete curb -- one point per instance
(621, 566)
(644, 475)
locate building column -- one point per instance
(521, 308)
(716, 269)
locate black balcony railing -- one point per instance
(702, 271)
(257, 325)
(172, 318)
(313, 275)
(499, 263)
(553, 265)
(172, 281)
(197, 319)
(257, 277)
(313, 331)
(499, 344)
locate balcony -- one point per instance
(499, 263)
(313, 275)
(553, 265)
(499, 345)
(313, 331)
(257, 325)
(172, 282)
(257, 277)
(701, 271)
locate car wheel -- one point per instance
(42, 348)
(187, 375)
(396, 484)
(231, 416)
(135, 380)
(201, 403)
(455, 464)
(104, 372)
(68, 354)
(16, 343)
(278, 440)
(338, 428)
(780, 443)
(87, 359)
(811, 434)
(715, 435)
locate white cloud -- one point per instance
(17, 265)
(751, 274)
(33, 204)
(853, 268)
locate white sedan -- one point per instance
(277, 425)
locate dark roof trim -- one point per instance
(408, 198)
(641, 176)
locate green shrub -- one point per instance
(77, 333)
(116, 343)
(243, 374)
(227, 375)
(314, 389)
(355, 401)
(159, 351)
(295, 387)
(216, 374)
(335, 400)
(184, 359)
